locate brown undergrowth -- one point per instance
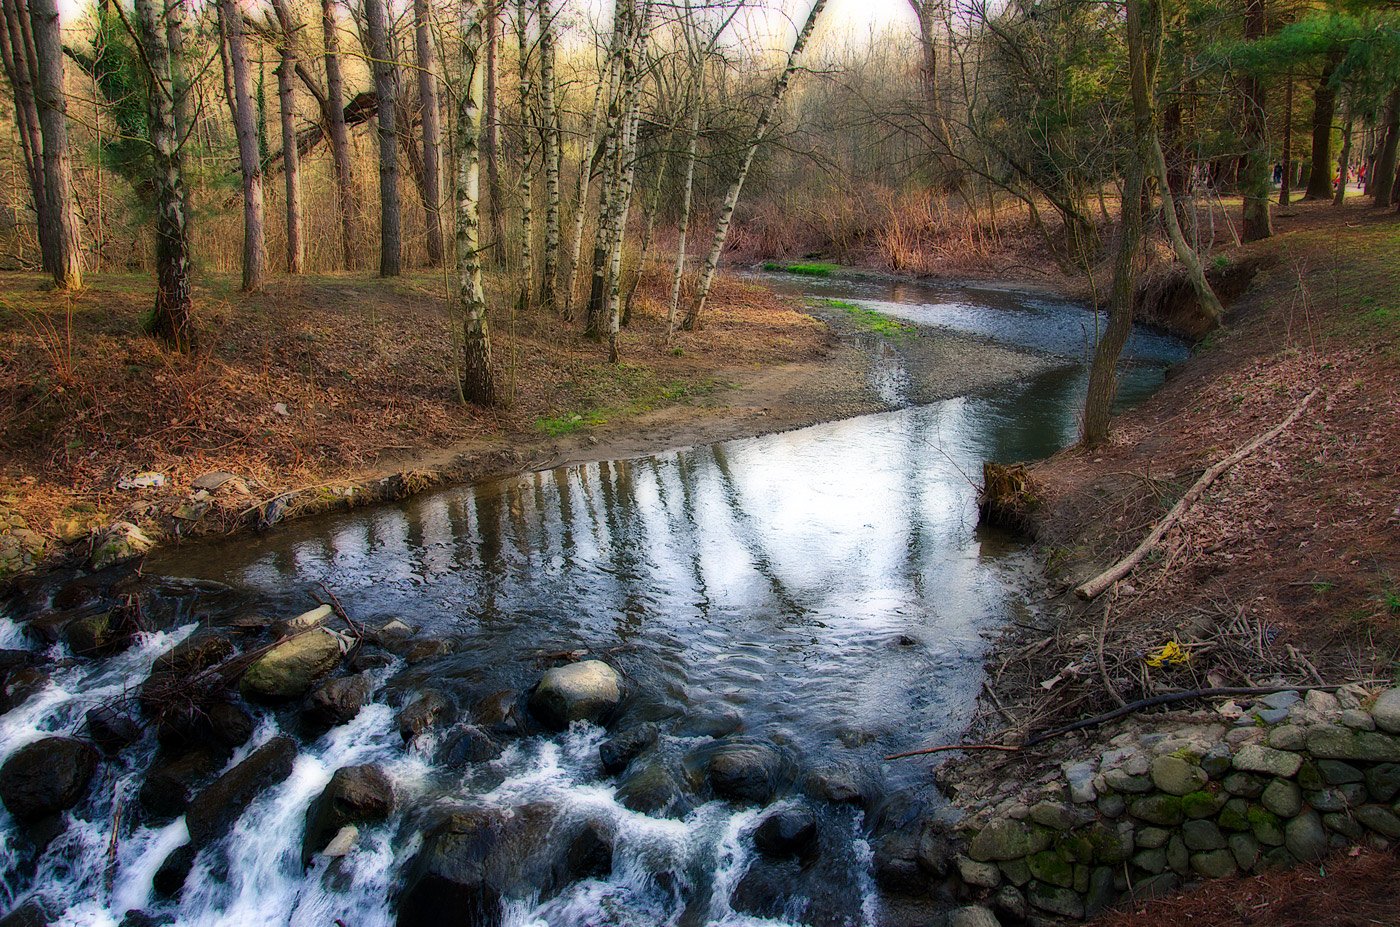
(1287, 570)
(317, 382)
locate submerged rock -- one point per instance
(467, 744)
(290, 668)
(652, 789)
(787, 832)
(586, 691)
(171, 780)
(111, 729)
(46, 777)
(448, 884)
(355, 795)
(618, 751)
(214, 810)
(429, 710)
(745, 771)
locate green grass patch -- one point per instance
(809, 270)
(602, 392)
(871, 320)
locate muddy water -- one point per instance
(824, 590)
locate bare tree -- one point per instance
(432, 132)
(552, 152)
(386, 91)
(736, 186)
(291, 160)
(333, 110)
(493, 133)
(17, 49)
(245, 127)
(172, 319)
(581, 184)
(52, 105)
(527, 156)
(476, 377)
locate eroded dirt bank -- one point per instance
(1283, 573)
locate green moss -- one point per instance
(872, 321)
(1201, 804)
(1047, 866)
(807, 270)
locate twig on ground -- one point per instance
(1122, 568)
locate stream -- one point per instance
(824, 592)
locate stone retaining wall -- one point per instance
(1283, 781)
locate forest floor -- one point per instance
(327, 392)
(1286, 571)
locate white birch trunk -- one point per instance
(476, 376)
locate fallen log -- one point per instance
(1096, 586)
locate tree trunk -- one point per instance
(1324, 111)
(476, 377)
(172, 317)
(245, 127)
(926, 11)
(432, 132)
(339, 135)
(1344, 160)
(619, 72)
(175, 17)
(1383, 171)
(649, 210)
(585, 175)
(731, 199)
(549, 128)
(687, 197)
(291, 160)
(1285, 188)
(390, 213)
(1254, 179)
(1103, 372)
(20, 65)
(493, 135)
(626, 155)
(527, 193)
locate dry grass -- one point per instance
(314, 381)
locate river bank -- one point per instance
(1283, 573)
(331, 393)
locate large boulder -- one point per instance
(787, 832)
(586, 691)
(355, 795)
(466, 744)
(120, 541)
(215, 809)
(338, 701)
(429, 710)
(288, 669)
(449, 882)
(171, 780)
(745, 771)
(46, 777)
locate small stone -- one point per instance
(1058, 816)
(1049, 867)
(1175, 776)
(1357, 720)
(1285, 699)
(1288, 737)
(1112, 806)
(1331, 741)
(1345, 825)
(1202, 835)
(1305, 837)
(1202, 804)
(1266, 827)
(1062, 901)
(1153, 837)
(1322, 703)
(1379, 819)
(1383, 781)
(982, 875)
(1080, 777)
(1244, 785)
(1261, 759)
(1006, 840)
(1336, 772)
(1216, 762)
(1123, 781)
(1178, 856)
(1245, 849)
(973, 916)
(1386, 711)
(1214, 864)
(1164, 810)
(1153, 861)
(1283, 798)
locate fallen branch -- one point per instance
(927, 750)
(1096, 586)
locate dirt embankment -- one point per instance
(1286, 571)
(331, 392)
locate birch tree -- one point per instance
(731, 199)
(245, 128)
(493, 133)
(334, 113)
(432, 132)
(386, 90)
(476, 377)
(291, 158)
(172, 317)
(17, 51)
(52, 108)
(551, 151)
(581, 184)
(527, 156)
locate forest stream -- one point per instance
(800, 604)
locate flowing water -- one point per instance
(826, 590)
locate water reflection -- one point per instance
(827, 584)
